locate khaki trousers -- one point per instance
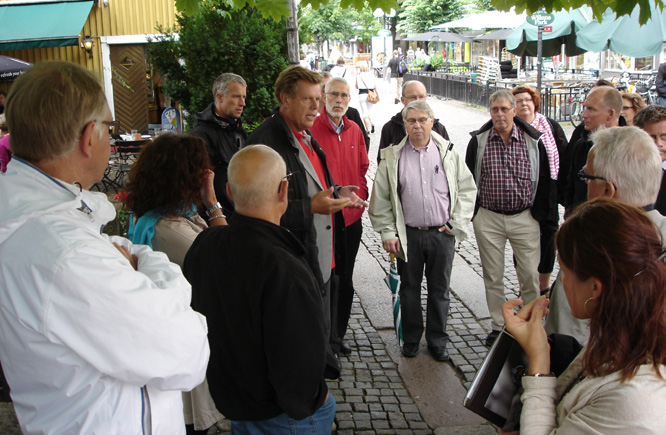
(492, 230)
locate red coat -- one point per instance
(346, 157)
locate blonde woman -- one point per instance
(365, 81)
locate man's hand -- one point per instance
(134, 261)
(208, 190)
(322, 203)
(392, 245)
(348, 192)
(444, 228)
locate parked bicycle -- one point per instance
(577, 105)
(647, 89)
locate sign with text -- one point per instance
(547, 29)
(541, 18)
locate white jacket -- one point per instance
(385, 209)
(88, 344)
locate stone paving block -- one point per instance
(392, 408)
(341, 407)
(340, 416)
(378, 415)
(354, 399)
(409, 408)
(346, 424)
(358, 416)
(380, 425)
(388, 399)
(417, 425)
(363, 424)
(372, 399)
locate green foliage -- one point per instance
(333, 22)
(417, 16)
(221, 39)
(437, 61)
(621, 7)
(417, 64)
(278, 9)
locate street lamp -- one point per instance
(87, 45)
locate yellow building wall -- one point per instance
(120, 17)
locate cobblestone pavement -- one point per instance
(370, 394)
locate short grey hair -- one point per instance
(611, 98)
(627, 157)
(335, 80)
(503, 94)
(222, 82)
(419, 105)
(49, 106)
(255, 172)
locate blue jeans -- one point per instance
(321, 422)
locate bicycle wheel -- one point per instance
(575, 113)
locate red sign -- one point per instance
(547, 28)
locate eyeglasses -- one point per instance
(336, 94)
(627, 107)
(524, 100)
(504, 110)
(412, 121)
(414, 97)
(587, 177)
(286, 177)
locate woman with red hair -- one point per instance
(614, 273)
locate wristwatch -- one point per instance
(212, 209)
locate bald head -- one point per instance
(603, 106)
(255, 173)
(412, 90)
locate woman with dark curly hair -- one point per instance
(528, 107)
(170, 179)
(614, 273)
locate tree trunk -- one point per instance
(292, 34)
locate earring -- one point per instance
(585, 306)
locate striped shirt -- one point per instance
(505, 183)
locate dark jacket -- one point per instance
(394, 131)
(298, 219)
(355, 116)
(575, 190)
(265, 320)
(660, 205)
(660, 80)
(544, 207)
(223, 139)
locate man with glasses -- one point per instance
(347, 159)
(313, 196)
(515, 191)
(98, 333)
(266, 320)
(394, 130)
(422, 202)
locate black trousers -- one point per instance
(347, 242)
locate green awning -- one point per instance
(42, 24)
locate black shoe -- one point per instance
(372, 130)
(345, 348)
(410, 350)
(490, 339)
(439, 353)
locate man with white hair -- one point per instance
(266, 321)
(347, 159)
(97, 333)
(422, 202)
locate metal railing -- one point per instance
(556, 102)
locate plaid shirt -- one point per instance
(506, 183)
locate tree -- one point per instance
(332, 22)
(278, 9)
(218, 40)
(417, 16)
(620, 7)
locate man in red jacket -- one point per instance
(342, 141)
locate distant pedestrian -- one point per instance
(396, 66)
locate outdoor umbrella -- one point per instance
(393, 282)
(624, 35)
(523, 40)
(486, 20)
(11, 68)
(497, 35)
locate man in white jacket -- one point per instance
(422, 201)
(96, 334)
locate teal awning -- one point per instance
(42, 24)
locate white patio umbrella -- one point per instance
(486, 20)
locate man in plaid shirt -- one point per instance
(510, 166)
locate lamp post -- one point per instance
(87, 45)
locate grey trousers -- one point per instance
(433, 251)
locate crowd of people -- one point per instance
(233, 294)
